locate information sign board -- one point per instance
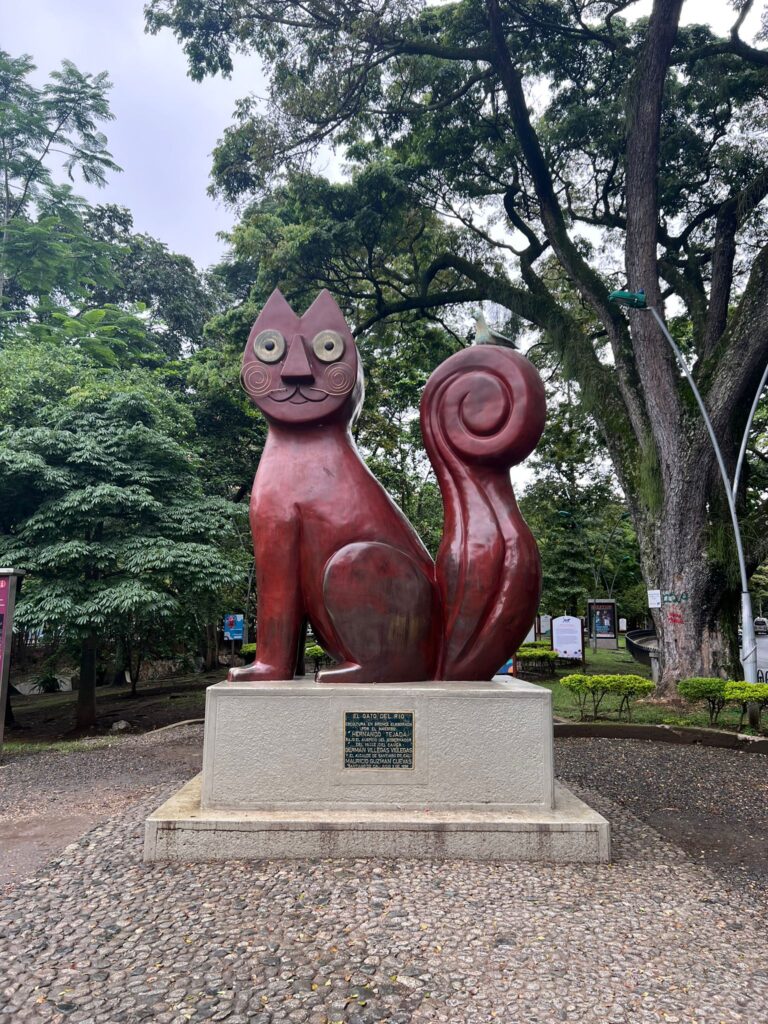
(378, 739)
(567, 636)
(234, 626)
(654, 599)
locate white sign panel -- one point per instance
(531, 637)
(545, 623)
(567, 637)
(654, 599)
(622, 625)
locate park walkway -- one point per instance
(96, 937)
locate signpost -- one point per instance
(601, 616)
(9, 581)
(567, 637)
(234, 629)
(234, 626)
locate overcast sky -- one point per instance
(166, 125)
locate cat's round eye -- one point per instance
(269, 346)
(328, 346)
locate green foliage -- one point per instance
(247, 649)
(48, 683)
(587, 545)
(745, 694)
(314, 651)
(740, 692)
(591, 690)
(46, 254)
(711, 690)
(529, 651)
(175, 297)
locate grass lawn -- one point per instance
(607, 662)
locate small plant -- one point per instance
(744, 694)
(700, 688)
(629, 688)
(529, 651)
(47, 684)
(594, 689)
(248, 652)
(578, 686)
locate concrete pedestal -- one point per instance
(299, 769)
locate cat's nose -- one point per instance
(296, 367)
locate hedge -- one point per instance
(744, 694)
(707, 688)
(594, 689)
(542, 653)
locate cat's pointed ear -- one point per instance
(325, 311)
(277, 314)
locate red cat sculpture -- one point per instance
(332, 547)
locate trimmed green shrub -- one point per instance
(314, 651)
(578, 686)
(594, 689)
(248, 653)
(529, 651)
(746, 693)
(704, 688)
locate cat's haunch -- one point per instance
(331, 546)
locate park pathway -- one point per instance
(94, 936)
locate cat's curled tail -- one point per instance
(481, 413)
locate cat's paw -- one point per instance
(255, 673)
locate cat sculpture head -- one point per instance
(303, 369)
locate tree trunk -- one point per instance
(86, 695)
(695, 624)
(211, 656)
(120, 663)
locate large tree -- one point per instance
(45, 251)
(102, 506)
(572, 150)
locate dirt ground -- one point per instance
(49, 800)
(46, 717)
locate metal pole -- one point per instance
(749, 645)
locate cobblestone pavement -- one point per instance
(48, 800)
(711, 802)
(97, 937)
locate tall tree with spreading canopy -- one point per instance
(45, 251)
(569, 150)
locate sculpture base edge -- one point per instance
(479, 783)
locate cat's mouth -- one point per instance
(298, 395)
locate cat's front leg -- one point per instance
(280, 607)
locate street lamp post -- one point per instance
(636, 300)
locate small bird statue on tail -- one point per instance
(485, 335)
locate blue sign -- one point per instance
(234, 627)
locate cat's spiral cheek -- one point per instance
(257, 381)
(339, 380)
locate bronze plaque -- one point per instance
(378, 739)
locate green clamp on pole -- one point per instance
(634, 300)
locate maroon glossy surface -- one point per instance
(331, 545)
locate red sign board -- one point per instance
(4, 591)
